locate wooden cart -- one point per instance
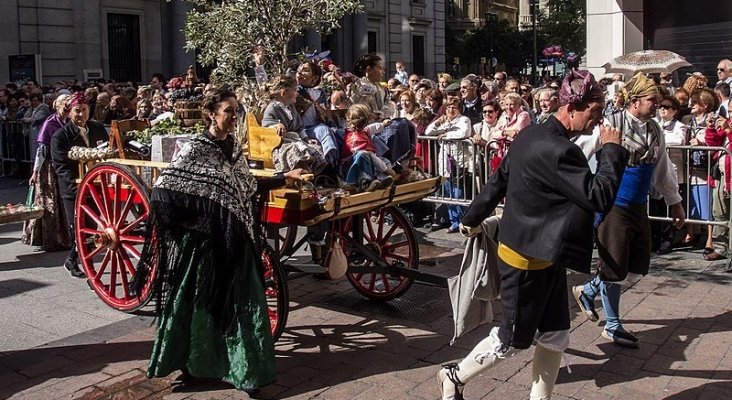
(112, 208)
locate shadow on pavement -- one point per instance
(12, 287)
(673, 350)
(45, 363)
(36, 260)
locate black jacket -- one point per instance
(551, 195)
(67, 170)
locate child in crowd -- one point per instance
(401, 75)
(367, 170)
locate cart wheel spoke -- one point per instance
(98, 202)
(132, 239)
(125, 210)
(93, 216)
(388, 234)
(389, 248)
(387, 284)
(133, 224)
(113, 275)
(130, 249)
(105, 183)
(102, 224)
(103, 266)
(94, 253)
(381, 223)
(115, 200)
(370, 229)
(395, 244)
(123, 275)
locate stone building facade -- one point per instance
(129, 40)
(409, 31)
(699, 31)
(118, 39)
(471, 14)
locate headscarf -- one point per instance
(639, 86)
(589, 92)
(77, 99)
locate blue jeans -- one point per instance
(610, 295)
(327, 139)
(454, 212)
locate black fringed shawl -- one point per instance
(207, 189)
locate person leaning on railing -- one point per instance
(720, 134)
(454, 160)
(703, 102)
(675, 134)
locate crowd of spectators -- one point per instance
(497, 107)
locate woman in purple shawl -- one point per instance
(49, 231)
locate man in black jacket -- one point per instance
(551, 197)
(79, 132)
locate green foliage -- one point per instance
(511, 47)
(225, 32)
(563, 23)
(168, 126)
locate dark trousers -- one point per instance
(69, 205)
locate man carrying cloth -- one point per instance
(624, 235)
(551, 197)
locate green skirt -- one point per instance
(188, 337)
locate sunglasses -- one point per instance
(721, 69)
(488, 111)
(667, 107)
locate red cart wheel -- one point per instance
(275, 291)
(282, 238)
(388, 233)
(112, 208)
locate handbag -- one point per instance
(30, 198)
(337, 264)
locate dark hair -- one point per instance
(160, 77)
(36, 96)
(706, 97)
(675, 103)
(280, 82)
(454, 102)
(212, 100)
(317, 70)
(493, 103)
(723, 89)
(365, 61)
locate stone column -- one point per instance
(360, 34)
(614, 28)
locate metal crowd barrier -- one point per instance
(693, 177)
(471, 173)
(15, 143)
(461, 162)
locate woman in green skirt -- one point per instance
(213, 320)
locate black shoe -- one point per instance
(621, 338)
(73, 268)
(664, 248)
(437, 226)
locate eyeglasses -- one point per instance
(667, 107)
(524, 90)
(721, 69)
(488, 111)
